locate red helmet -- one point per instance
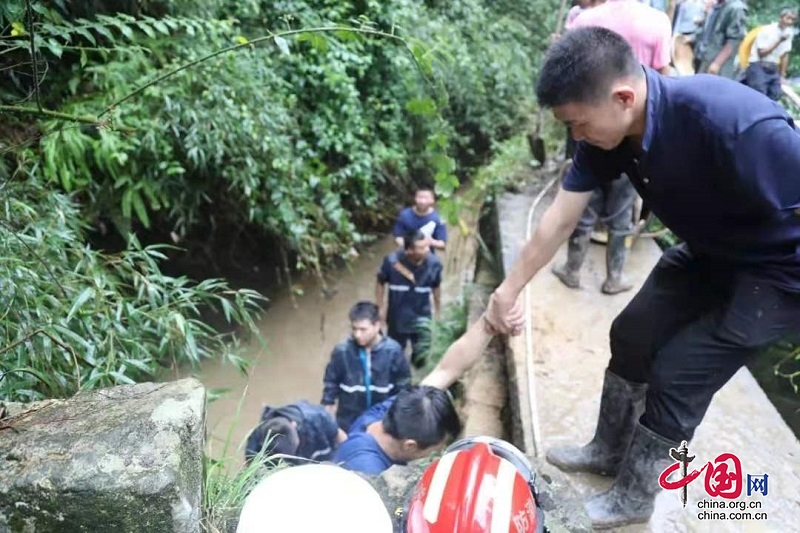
(479, 485)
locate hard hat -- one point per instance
(314, 497)
(480, 484)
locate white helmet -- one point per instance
(314, 497)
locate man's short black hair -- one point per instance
(412, 237)
(424, 414)
(364, 310)
(279, 436)
(424, 187)
(581, 66)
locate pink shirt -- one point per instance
(572, 14)
(646, 29)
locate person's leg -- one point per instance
(677, 291)
(418, 357)
(401, 338)
(704, 355)
(620, 202)
(569, 272)
(756, 78)
(686, 373)
(774, 89)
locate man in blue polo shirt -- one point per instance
(406, 427)
(422, 216)
(414, 277)
(719, 164)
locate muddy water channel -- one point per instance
(300, 333)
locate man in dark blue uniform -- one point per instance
(414, 277)
(421, 216)
(365, 369)
(298, 429)
(719, 164)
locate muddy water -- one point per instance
(300, 334)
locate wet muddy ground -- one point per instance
(571, 352)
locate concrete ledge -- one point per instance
(512, 222)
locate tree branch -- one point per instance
(34, 64)
(98, 120)
(47, 113)
(271, 36)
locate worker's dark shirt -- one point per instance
(316, 430)
(720, 167)
(346, 381)
(361, 452)
(409, 301)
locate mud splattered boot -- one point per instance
(621, 405)
(570, 272)
(630, 500)
(616, 255)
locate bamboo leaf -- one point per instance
(82, 298)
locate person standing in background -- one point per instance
(769, 57)
(724, 28)
(649, 33)
(422, 216)
(414, 277)
(688, 19)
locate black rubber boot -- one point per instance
(616, 255)
(621, 405)
(631, 498)
(570, 272)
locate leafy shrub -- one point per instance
(309, 136)
(74, 318)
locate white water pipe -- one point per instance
(529, 368)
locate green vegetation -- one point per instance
(220, 125)
(437, 334)
(75, 318)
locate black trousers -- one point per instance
(764, 78)
(692, 325)
(417, 357)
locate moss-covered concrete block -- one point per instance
(118, 460)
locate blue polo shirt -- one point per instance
(409, 301)
(719, 166)
(361, 452)
(431, 224)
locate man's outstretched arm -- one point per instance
(556, 225)
(460, 356)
